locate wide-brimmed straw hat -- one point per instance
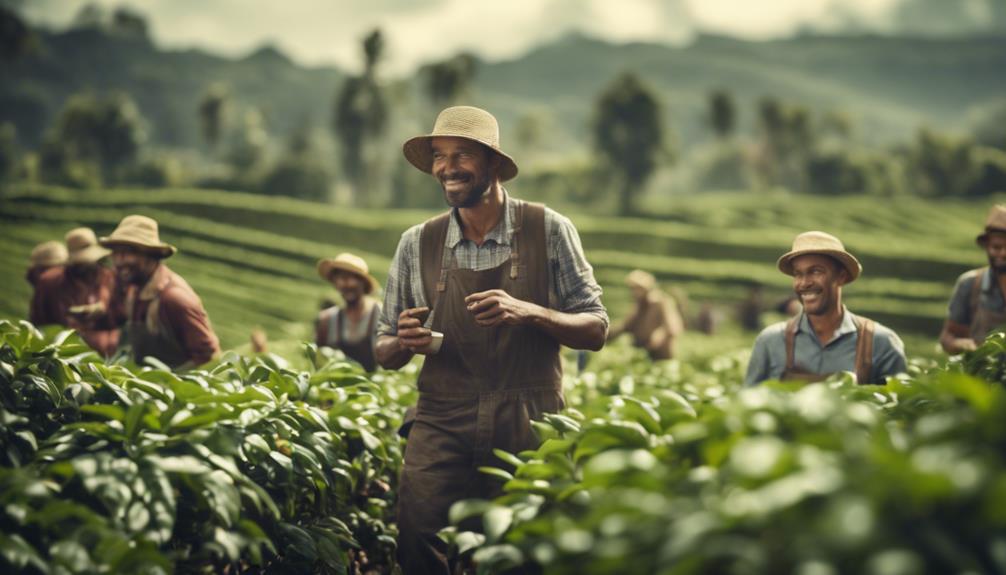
(48, 254)
(823, 244)
(467, 122)
(996, 222)
(83, 246)
(138, 232)
(348, 263)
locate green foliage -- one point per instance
(722, 113)
(446, 81)
(105, 133)
(212, 113)
(629, 134)
(674, 468)
(248, 465)
(361, 116)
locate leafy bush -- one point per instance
(675, 469)
(249, 466)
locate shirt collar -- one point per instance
(500, 234)
(156, 283)
(847, 325)
(988, 281)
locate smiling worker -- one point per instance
(506, 283)
(826, 337)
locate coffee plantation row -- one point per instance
(713, 246)
(251, 465)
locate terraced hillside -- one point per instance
(252, 258)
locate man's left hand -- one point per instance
(495, 307)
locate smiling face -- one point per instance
(351, 286)
(133, 266)
(995, 248)
(465, 169)
(818, 281)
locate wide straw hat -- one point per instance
(996, 222)
(138, 232)
(467, 122)
(823, 244)
(83, 246)
(48, 254)
(640, 278)
(348, 263)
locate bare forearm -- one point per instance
(390, 354)
(574, 330)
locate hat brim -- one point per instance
(326, 267)
(89, 255)
(984, 236)
(163, 250)
(850, 263)
(418, 152)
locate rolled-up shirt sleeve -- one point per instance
(572, 276)
(189, 322)
(399, 292)
(959, 309)
(888, 356)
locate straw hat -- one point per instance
(348, 263)
(996, 222)
(47, 254)
(138, 232)
(639, 278)
(467, 122)
(83, 246)
(822, 244)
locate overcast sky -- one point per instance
(418, 31)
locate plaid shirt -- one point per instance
(572, 288)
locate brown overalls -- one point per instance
(363, 350)
(983, 321)
(149, 336)
(864, 353)
(479, 392)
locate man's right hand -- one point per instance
(411, 333)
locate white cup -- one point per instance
(434, 347)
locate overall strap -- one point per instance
(864, 348)
(431, 252)
(791, 326)
(335, 327)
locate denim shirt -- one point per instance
(768, 359)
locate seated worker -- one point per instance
(977, 306)
(351, 328)
(654, 322)
(64, 293)
(163, 316)
(825, 337)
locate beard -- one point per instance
(466, 197)
(998, 267)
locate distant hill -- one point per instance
(167, 85)
(888, 85)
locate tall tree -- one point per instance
(449, 80)
(629, 134)
(361, 117)
(108, 132)
(722, 113)
(212, 113)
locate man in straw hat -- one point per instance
(488, 292)
(164, 317)
(353, 327)
(977, 306)
(44, 256)
(655, 323)
(825, 337)
(64, 294)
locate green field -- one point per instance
(251, 258)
